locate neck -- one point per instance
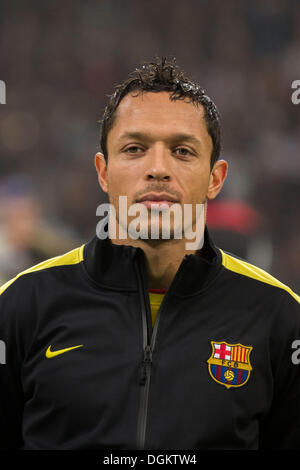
(163, 258)
(163, 261)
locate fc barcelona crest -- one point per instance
(229, 364)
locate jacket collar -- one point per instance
(114, 266)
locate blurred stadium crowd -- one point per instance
(61, 59)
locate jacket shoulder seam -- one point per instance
(74, 256)
(244, 268)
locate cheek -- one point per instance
(123, 176)
(118, 184)
(196, 187)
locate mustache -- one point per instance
(158, 188)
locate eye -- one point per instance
(183, 152)
(133, 149)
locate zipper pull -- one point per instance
(147, 361)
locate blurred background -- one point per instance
(60, 60)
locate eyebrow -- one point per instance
(173, 138)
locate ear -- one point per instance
(217, 178)
(101, 169)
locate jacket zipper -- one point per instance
(144, 382)
(145, 368)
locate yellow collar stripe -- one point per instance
(246, 269)
(72, 257)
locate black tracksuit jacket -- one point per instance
(131, 386)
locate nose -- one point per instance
(158, 167)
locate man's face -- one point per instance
(157, 146)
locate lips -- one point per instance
(157, 200)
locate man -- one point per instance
(136, 343)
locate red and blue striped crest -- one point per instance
(229, 364)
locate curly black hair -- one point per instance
(163, 75)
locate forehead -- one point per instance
(155, 112)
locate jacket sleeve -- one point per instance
(280, 428)
(11, 396)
